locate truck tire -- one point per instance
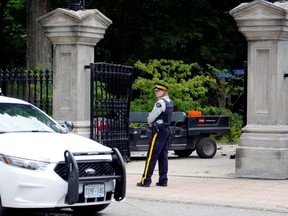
(206, 148)
(183, 153)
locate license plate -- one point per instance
(93, 191)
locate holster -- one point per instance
(155, 128)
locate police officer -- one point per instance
(159, 120)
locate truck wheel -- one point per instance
(206, 148)
(183, 153)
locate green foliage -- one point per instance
(194, 31)
(199, 31)
(191, 87)
(235, 122)
(14, 34)
(188, 85)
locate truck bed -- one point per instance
(186, 131)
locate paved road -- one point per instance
(139, 207)
(158, 208)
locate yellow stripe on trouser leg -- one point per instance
(149, 158)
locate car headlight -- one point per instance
(24, 163)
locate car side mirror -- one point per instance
(68, 126)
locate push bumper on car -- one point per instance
(74, 180)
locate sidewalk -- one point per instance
(210, 182)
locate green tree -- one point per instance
(14, 17)
(39, 48)
(193, 31)
(12, 33)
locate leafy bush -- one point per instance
(235, 122)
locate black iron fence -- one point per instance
(111, 87)
(34, 86)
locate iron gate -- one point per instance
(111, 88)
(34, 86)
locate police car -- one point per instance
(43, 165)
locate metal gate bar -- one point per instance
(34, 86)
(111, 87)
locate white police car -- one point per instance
(44, 166)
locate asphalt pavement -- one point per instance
(208, 182)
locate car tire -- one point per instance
(89, 210)
(206, 148)
(3, 210)
(183, 153)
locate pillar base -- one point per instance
(262, 152)
(82, 128)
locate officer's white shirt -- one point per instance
(159, 107)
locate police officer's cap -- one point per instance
(160, 86)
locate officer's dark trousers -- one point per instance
(158, 150)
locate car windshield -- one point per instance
(25, 118)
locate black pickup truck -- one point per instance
(188, 133)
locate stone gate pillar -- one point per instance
(74, 35)
(263, 147)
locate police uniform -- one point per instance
(159, 120)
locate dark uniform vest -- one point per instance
(167, 114)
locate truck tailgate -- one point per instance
(218, 125)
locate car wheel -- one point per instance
(206, 148)
(89, 210)
(3, 210)
(183, 153)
